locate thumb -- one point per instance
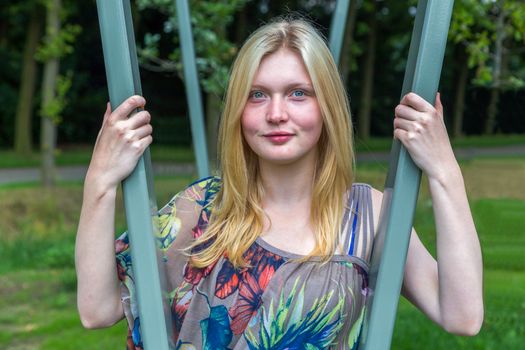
(438, 106)
(107, 113)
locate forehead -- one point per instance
(281, 65)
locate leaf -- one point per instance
(227, 280)
(355, 331)
(216, 332)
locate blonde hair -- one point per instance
(237, 216)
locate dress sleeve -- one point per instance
(177, 221)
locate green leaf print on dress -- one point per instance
(317, 329)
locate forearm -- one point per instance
(458, 252)
(98, 286)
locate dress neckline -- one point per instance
(293, 256)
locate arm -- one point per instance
(448, 291)
(119, 145)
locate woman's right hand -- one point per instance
(120, 143)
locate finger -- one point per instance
(407, 112)
(127, 107)
(439, 105)
(400, 123)
(400, 135)
(107, 113)
(138, 119)
(143, 131)
(417, 102)
(140, 145)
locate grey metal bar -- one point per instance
(337, 28)
(427, 49)
(193, 92)
(122, 73)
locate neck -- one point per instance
(287, 183)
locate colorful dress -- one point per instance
(275, 303)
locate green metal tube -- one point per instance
(427, 50)
(123, 78)
(193, 93)
(337, 28)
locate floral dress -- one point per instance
(275, 303)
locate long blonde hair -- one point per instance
(237, 216)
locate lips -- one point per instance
(278, 137)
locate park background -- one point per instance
(53, 95)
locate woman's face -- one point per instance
(281, 121)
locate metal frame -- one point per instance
(337, 28)
(122, 72)
(401, 189)
(425, 59)
(193, 92)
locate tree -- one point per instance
(214, 51)
(57, 43)
(487, 31)
(24, 111)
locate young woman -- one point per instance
(274, 253)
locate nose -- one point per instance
(277, 111)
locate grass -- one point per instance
(378, 144)
(37, 279)
(38, 313)
(81, 155)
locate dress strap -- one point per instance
(359, 223)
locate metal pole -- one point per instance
(427, 50)
(337, 28)
(193, 93)
(120, 58)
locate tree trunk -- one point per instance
(213, 110)
(48, 124)
(365, 107)
(345, 64)
(461, 86)
(492, 109)
(24, 111)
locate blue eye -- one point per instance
(298, 93)
(257, 94)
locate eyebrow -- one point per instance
(286, 87)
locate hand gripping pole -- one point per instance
(120, 58)
(425, 59)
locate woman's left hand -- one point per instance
(421, 129)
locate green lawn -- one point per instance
(37, 279)
(81, 155)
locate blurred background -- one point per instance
(53, 95)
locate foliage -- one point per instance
(474, 26)
(55, 46)
(210, 21)
(58, 45)
(53, 109)
(81, 116)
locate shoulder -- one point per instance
(198, 193)
(367, 195)
(376, 196)
(183, 212)
(204, 189)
